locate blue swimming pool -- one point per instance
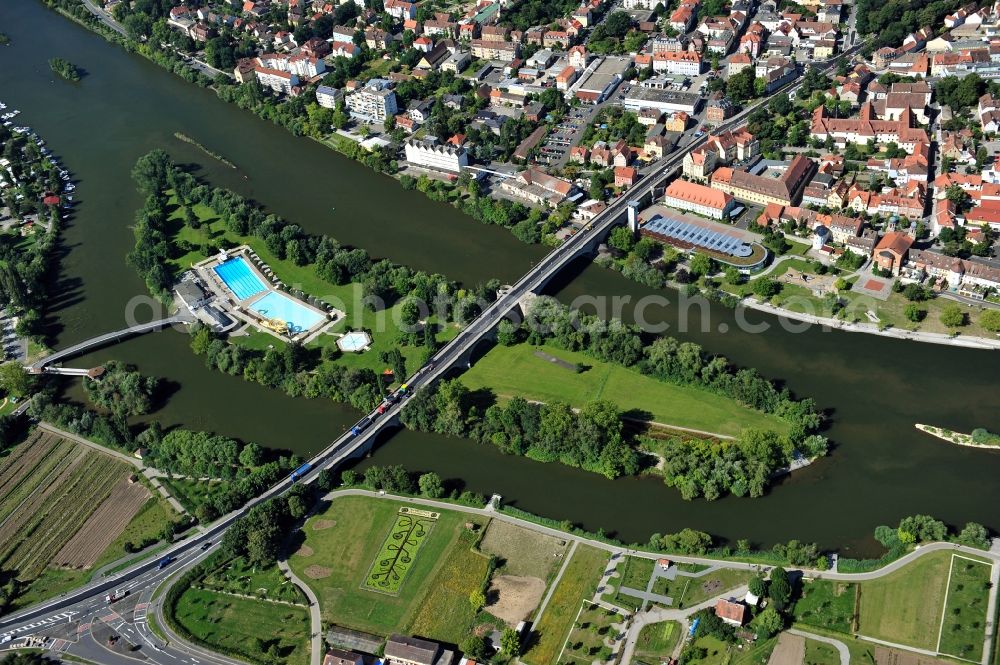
(240, 278)
(297, 316)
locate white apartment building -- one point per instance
(275, 79)
(438, 157)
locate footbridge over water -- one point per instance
(108, 338)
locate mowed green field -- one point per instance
(339, 548)
(964, 622)
(261, 631)
(516, 370)
(905, 606)
(578, 583)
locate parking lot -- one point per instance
(554, 151)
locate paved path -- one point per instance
(896, 645)
(845, 653)
(555, 582)
(316, 651)
(646, 596)
(991, 612)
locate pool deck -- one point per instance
(225, 299)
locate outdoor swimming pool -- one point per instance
(354, 341)
(240, 278)
(297, 316)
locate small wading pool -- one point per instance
(240, 278)
(296, 316)
(354, 341)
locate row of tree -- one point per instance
(591, 438)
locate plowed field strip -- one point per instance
(103, 526)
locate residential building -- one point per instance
(699, 199)
(683, 63)
(536, 186)
(275, 79)
(450, 158)
(625, 176)
(401, 9)
(732, 612)
(374, 102)
(328, 97)
(491, 50)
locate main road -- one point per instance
(362, 437)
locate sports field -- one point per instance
(518, 370)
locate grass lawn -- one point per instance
(905, 606)
(964, 621)
(337, 553)
(716, 651)
(193, 493)
(261, 631)
(657, 641)
(579, 581)
(445, 613)
(516, 370)
(827, 604)
(687, 591)
(237, 577)
(636, 572)
(821, 653)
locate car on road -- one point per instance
(164, 562)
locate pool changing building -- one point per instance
(724, 243)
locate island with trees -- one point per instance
(65, 69)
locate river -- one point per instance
(874, 388)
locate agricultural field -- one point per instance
(336, 553)
(964, 622)
(63, 510)
(260, 632)
(445, 614)
(518, 370)
(827, 604)
(578, 583)
(657, 641)
(905, 606)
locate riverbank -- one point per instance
(872, 329)
(956, 438)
